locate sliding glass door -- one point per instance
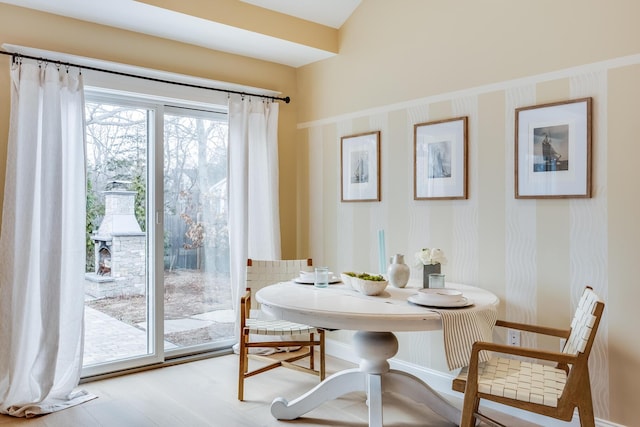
(197, 295)
(157, 276)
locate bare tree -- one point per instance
(195, 168)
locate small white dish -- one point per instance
(439, 295)
(309, 279)
(463, 302)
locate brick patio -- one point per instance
(109, 339)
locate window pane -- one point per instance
(116, 315)
(197, 304)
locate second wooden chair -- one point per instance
(551, 390)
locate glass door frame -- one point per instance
(154, 311)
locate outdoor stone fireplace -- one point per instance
(120, 249)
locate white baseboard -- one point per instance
(441, 382)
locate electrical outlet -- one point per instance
(513, 337)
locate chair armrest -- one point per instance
(554, 356)
(561, 333)
(246, 297)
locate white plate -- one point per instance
(310, 280)
(464, 302)
(312, 274)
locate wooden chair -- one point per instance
(260, 274)
(545, 389)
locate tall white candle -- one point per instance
(382, 256)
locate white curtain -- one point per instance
(42, 243)
(254, 218)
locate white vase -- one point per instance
(398, 272)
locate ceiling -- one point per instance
(169, 24)
(331, 13)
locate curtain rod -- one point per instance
(286, 99)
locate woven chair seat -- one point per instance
(520, 380)
(277, 327)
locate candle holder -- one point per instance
(436, 280)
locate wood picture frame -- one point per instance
(360, 167)
(440, 159)
(553, 150)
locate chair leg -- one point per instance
(312, 352)
(322, 358)
(585, 405)
(242, 366)
(468, 418)
(586, 416)
(469, 408)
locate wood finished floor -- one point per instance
(203, 393)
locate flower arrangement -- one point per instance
(430, 256)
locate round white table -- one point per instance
(375, 318)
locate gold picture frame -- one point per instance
(360, 167)
(440, 159)
(553, 150)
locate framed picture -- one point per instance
(553, 150)
(360, 167)
(440, 159)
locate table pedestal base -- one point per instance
(374, 377)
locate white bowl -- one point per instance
(368, 287)
(346, 279)
(439, 295)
